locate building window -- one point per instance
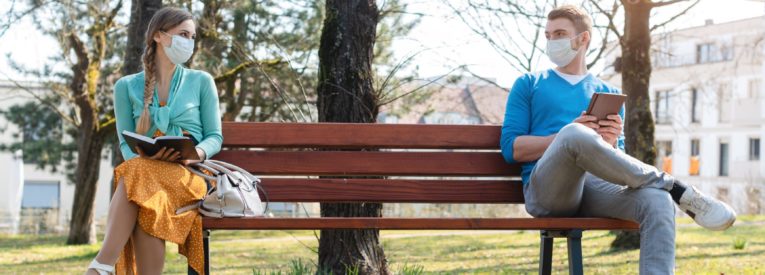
(693, 170)
(754, 149)
(723, 102)
(39, 207)
(694, 106)
(449, 118)
(711, 52)
(695, 147)
(40, 195)
(754, 88)
(389, 118)
(662, 107)
(724, 159)
(704, 53)
(664, 155)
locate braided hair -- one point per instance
(163, 20)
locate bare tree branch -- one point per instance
(654, 27)
(243, 66)
(610, 15)
(13, 18)
(383, 103)
(492, 82)
(665, 3)
(42, 100)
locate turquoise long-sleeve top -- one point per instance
(541, 103)
(192, 106)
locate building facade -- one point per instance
(707, 98)
(34, 200)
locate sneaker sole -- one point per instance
(729, 223)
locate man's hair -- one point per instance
(578, 16)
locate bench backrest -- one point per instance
(421, 163)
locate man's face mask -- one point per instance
(560, 52)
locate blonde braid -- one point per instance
(144, 121)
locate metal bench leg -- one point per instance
(545, 253)
(575, 252)
(206, 244)
(206, 247)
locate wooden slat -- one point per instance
(358, 135)
(383, 190)
(371, 163)
(420, 223)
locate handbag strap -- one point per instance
(220, 168)
(230, 166)
(196, 169)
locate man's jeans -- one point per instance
(582, 175)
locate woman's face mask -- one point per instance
(560, 51)
(180, 49)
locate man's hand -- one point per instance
(588, 120)
(610, 128)
(164, 154)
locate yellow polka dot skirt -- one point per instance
(159, 188)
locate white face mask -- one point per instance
(180, 49)
(560, 52)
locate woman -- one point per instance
(164, 99)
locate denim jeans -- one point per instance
(582, 175)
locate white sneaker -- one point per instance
(102, 269)
(708, 212)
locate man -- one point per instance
(575, 165)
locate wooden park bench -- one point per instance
(467, 156)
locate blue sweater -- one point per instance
(540, 104)
(192, 106)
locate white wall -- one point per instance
(13, 174)
(745, 184)
(10, 190)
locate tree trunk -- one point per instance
(89, 145)
(636, 75)
(140, 14)
(233, 99)
(91, 133)
(345, 94)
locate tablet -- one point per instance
(604, 104)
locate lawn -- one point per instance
(740, 250)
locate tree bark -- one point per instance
(140, 15)
(90, 144)
(636, 75)
(91, 132)
(346, 94)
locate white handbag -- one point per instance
(235, 193)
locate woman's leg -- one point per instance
(119, 226)
(149, 252)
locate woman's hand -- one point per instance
(201, 154)
(164, 154)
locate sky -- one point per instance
(441, 41)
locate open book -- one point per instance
(151, 146)
(604, 104)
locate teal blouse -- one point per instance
(192, 106)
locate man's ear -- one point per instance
(585, 36)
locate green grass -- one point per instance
(740, 250)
